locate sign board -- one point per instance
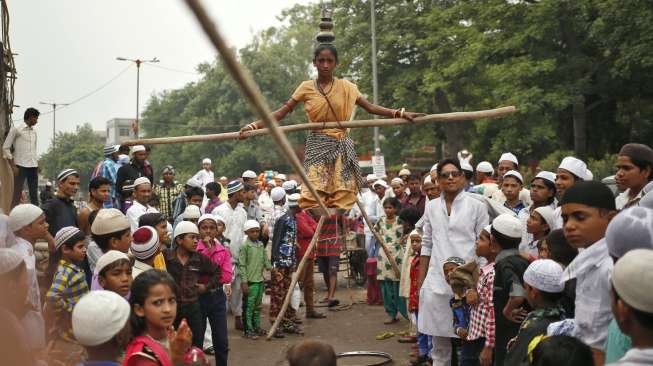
(378, 165)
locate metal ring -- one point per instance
(386, 356)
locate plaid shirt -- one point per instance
(68, 286)
(167, 196)
(481, 323)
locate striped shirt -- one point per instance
(68, 286)
(481, 323)
(329, 242)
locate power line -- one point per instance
(174, 70)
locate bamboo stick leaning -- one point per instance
(378, 237)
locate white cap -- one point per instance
(548, 215)
(427, 179)
(249, 174)
(194, 183)
(219, 218)
(23, 215)
(485, 167)
(381, 183)
(289, 185)
(575, 166)
(545, 275)
(507, 225)
(464, 165)
(397, 180)
(509, 157)
(516, 174)
(10, 259)
(185, 227)
(251, 224)
(137, 148)
(589, 175)
(488, 229)
(141, 180)
(108, 258)
(632, 278)
(271, 183)
(549, 176)
(293, 200)
(123, 159)
(277, 194)
(109, 220)
(404, 172)
(281, 176)
(208, 216)
(98, 316)
(206, 161)
(371, 178)
(191, 212)
(434, 167)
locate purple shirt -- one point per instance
(220, 256)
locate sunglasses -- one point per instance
(452, 174)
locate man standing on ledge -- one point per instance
(23, 160)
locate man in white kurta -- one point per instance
(452, 223)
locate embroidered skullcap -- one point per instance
(516, 174)
(141, 180)
(381, 183)
(191, 212)
(207, 217)
(249, 174)
(631, 229)
(110, 149)
(455, 260)
(507, 225)
(98, 316)
(434, 167)
(219, 218)
(251, 224)
(485, 167)
(185, 227)
(281, 176)
(590, 193)
(548, 176)
(128, 187)
(289, 185)
(548, 215)
(632, 278)
(123, 159)
(145, 242)
(397, 180)
(10, 259)
(194, 183)
(509, 157)
(371, 178)
(574, 166)
(427, 179)
(109, 220)
(464, 165)
(63, 235)
(23, 215)
(404, 172)
(108, 258)
(137, 148)
(65, 174)
(168, 169)
(293, 200)
(234, 186)
(545, 275)
(639, 152)
(277, 194)
(206, 161)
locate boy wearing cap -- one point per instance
(587, 208)
(141, 205)
(511, 187)
(634, 171)
(543, 292)
(252, 262)
(543, 193)
(486, 185)
(508, 162)
(538, 226)
(110, 231)
(145, 247)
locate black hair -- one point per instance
(414, 176)
(91, 217)
(641, 164)
(410, 215)
(102, 241)
(323, 47)
(562, 350)
(194, 191)
(453, 161)
(30, 112)
(98, 182)
(551, 186)
(505, 242)
(559, 248)
(124, 149)
(140, 290)
(114, 264)
(249, 187)
(551, 297)
(148, 148)
(215, 187)
(151, 219)
(392, 201)
(79, 236)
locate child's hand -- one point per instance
(485, 357)
(518, 315)
(180, 341)
(462, 333)
(207, 240)
(245, 288)
(201, 288)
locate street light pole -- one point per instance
(138, 63)
(375, 84)
(54, 118)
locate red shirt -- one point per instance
(306, 227)
(413, 299)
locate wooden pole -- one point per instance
(444, 117)
(253, 94)
(378, 237)
(295, 275)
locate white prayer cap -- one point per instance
(10, 259)
(509, 157)
(98, 317)
(277, 194)
(293, 200)
(137, 148)
(249, 174)
(427, 179)
(191, 212)
(574, 166)
(488, 229)
(289, 185)
(281, 176)
(381, 183)
(23, 215)
(145, 242)
(194, 183)
(185, 227)
(631, 229)
(397, 180)
(220, 219)
(207, 216)
(271, 183)
(516, 174)
(549, 176)
(434, 167)
(251, 224)
(545, 275)
(632, 278)
(507, 225)
(371, 178)
(108, 258)
(206, 161)
(548, 215)
(485, 167)
(109, 220)
(123, 159)
(63, 235)
(589, 175)
(404, 172)
(141, 180)
(464, 165)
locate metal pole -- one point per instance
(138, 78)
(54, 124)
(375, 84)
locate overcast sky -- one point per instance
(68, 48)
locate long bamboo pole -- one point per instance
(444, 117)
(295, 277)
(378, 237)
(253, 94)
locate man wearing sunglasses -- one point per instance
(451, 225)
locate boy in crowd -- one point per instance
(538, 226)
(213, 190)
(110, 231)
(145, 248)
(114, 273)
(252, 263)
(511, 187)
(543, 193)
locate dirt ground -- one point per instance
(347, 330)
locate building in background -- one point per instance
(120, 130)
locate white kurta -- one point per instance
(446, 236)
(205, 177)
(33, 319)
(235, 222)
(135, 212)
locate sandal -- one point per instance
(384, 335)
(315, 315)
